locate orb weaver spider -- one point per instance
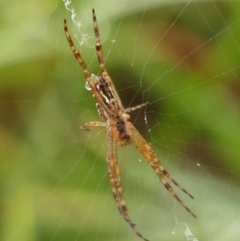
(120, 131)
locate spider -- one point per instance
(120, 131)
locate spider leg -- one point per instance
(130, 109)
(151, 157)
(98, 44)
(114, 176)
(85, 127)
(76, 53)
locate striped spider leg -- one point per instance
(120, 131)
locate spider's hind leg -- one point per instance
(157, 166)
(114, 177)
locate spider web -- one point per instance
(182, 57)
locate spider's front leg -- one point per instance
(87, 125)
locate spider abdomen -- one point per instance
(123, 135)
(119, 132)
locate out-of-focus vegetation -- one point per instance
(183, 59)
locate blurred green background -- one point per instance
(182, 57)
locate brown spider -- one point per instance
(120, 131)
